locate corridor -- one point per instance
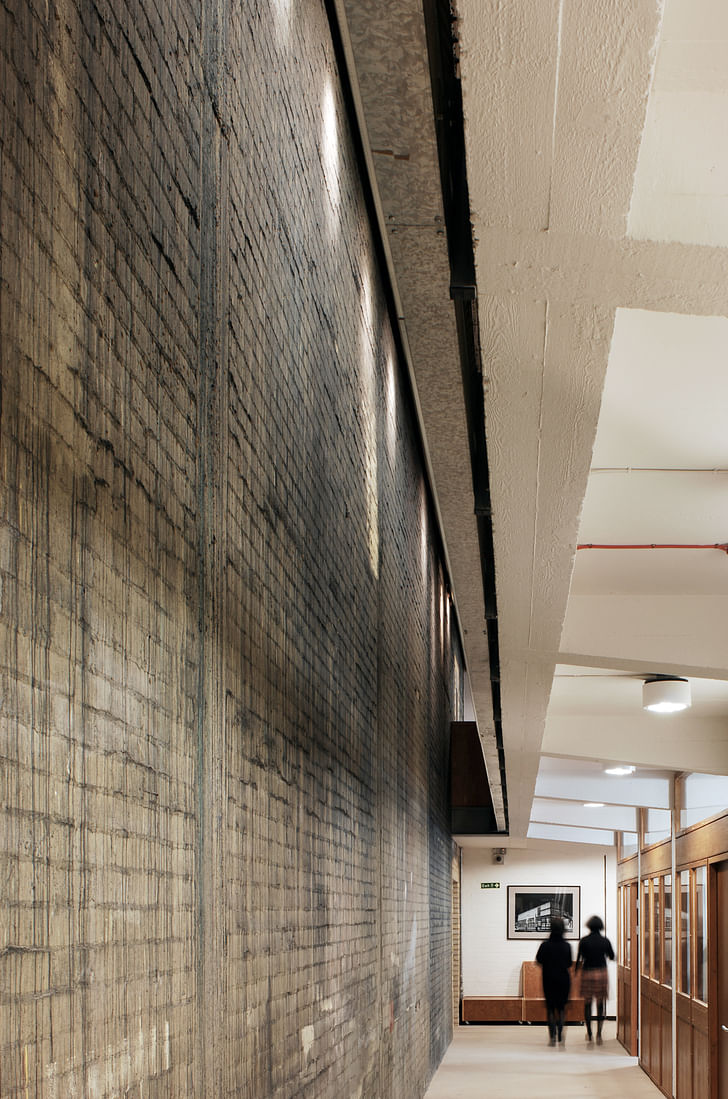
(515, 1062)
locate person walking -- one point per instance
(591, 961)
(554, 957)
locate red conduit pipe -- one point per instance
(654, 545)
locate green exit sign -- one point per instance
(490, 885)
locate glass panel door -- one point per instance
(667, 931)
(656, 929)
(645, 916)
(684, 974)
(701, 935)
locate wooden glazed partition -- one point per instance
(680, 941)
(655, 972)
(627, 958)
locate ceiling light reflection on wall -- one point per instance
(663, 695)
(624, 770)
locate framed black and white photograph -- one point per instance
(531, 908)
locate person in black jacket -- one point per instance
(591, 958)
(554, 957)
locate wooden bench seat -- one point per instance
(492, 1009)
(529, 1007)
(534, 1009)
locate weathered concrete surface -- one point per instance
(390, 50)
(227, 670)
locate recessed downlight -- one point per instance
(624, 769)
(593, 804)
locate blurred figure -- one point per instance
(591, 959)
(554, 957)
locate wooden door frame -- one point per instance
(713, 954)
(629, 896)
(633, 899)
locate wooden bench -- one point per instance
(529, 1007)
(534, 1005)
(492, 1009)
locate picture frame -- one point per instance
(530, 908)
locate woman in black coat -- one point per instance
(591, 958)
(554, 957)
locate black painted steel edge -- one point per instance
(372, 208)
(448, 114)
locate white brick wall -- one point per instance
(491, 962)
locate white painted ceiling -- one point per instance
(597, 157)
(597, 139)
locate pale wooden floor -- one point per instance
(515, 1062)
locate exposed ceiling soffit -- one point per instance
(638, 668)
(390, 53)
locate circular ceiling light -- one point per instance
(626, 769)
(665, 695)
(593, 804)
